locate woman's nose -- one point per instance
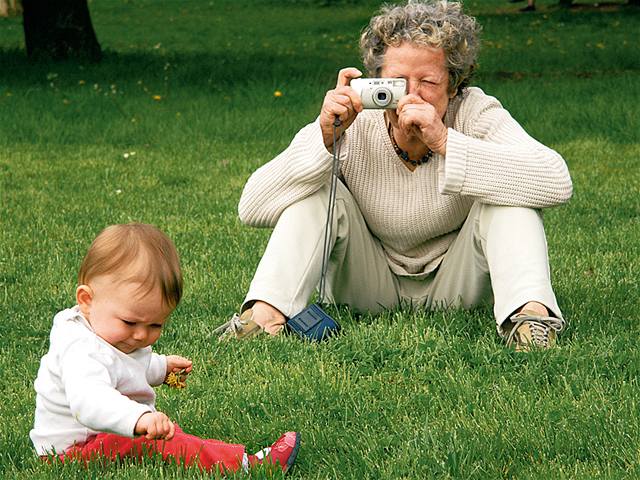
(413, 87)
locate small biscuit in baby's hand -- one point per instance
(177, 379)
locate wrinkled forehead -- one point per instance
(415, 60)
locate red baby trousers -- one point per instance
(183, 448)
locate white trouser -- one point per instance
(500, 253)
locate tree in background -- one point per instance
(9, 7)
(59, 29)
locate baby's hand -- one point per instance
(177, 370)
(155, 426)
(176, 363)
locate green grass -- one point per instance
(400, 395)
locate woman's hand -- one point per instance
(343, 103)
(419, 119)
(175, 363)
(155, 426)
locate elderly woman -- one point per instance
(438, 203)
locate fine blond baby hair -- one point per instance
(118, 248)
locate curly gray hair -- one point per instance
(432, 23)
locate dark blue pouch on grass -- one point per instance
(313, 324)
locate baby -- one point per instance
(94, 386)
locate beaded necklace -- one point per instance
(404, 155)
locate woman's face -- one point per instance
(425, 72)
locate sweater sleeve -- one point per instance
(300, 170)
(157, 371)
(90, 384)
(496, 162)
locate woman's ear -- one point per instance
(84, 297)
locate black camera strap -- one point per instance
(313, 323)
(332, 202)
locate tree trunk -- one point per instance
(59, 29)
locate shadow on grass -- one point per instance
(584, 8)
(191, 69)
(239, 66)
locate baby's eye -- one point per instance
(156, 325)
(127, 322)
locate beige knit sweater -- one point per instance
(416, 215)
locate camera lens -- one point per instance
(382, 97)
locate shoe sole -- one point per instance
(294, 454)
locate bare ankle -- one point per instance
(536, 307)
(267, 316)
(266, 310)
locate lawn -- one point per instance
(166, 130)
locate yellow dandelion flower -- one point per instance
(277, 93)
(81, 82)
(157, 98)
(176, 379)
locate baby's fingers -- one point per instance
(172, 431)
(177, 362)
(159, 427)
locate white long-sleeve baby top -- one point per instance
(86, 386)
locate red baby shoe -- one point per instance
(283, 452)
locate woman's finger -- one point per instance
(346, 74)
(340, 106)
(354, 99)
(410, 99)
(344, 97)
(336, 110)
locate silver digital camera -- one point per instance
(380, 92)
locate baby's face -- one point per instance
(123, 316)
